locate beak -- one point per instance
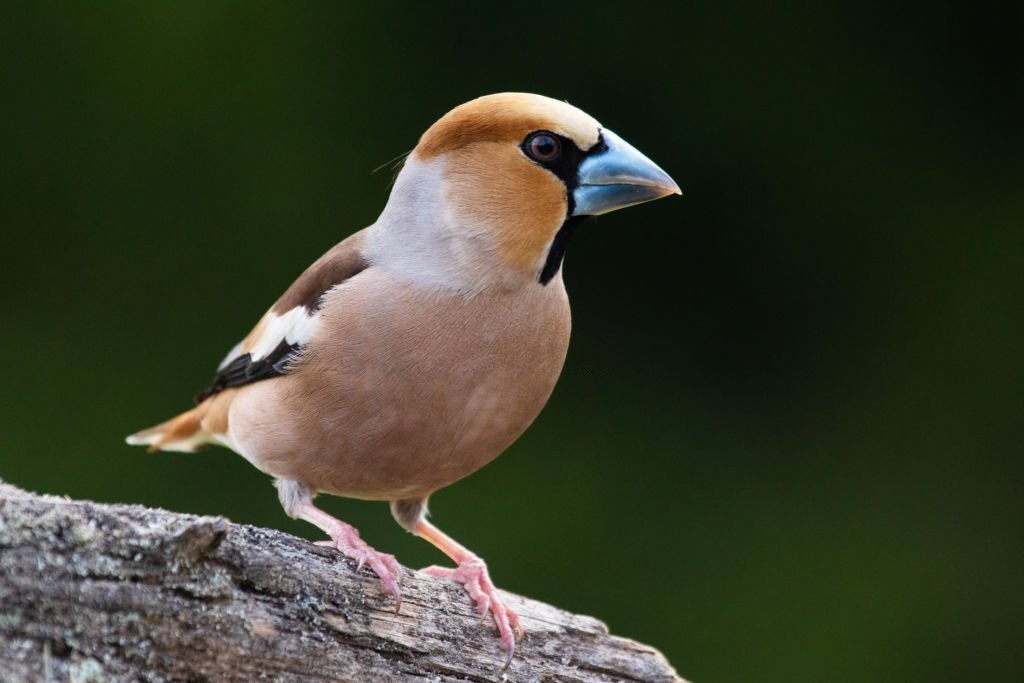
(617, 177)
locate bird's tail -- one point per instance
(204, 424)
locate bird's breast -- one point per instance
(406, 390)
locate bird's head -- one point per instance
(494, 188)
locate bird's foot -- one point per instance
(472, 573)
(345, 539)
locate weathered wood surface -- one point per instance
(92, 592)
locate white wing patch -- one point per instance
(296, 327)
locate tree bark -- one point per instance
(92, 592)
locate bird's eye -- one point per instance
(542, 147)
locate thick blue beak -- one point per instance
(617, 177)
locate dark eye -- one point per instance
(542, 147)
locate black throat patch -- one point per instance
(553, 263)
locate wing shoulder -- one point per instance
(342, 262)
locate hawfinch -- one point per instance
(418, 349)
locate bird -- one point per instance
(418, 349)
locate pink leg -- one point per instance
(471, 571)
(298, 503)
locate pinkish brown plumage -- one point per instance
(418, 349)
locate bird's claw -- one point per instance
(385, 566)
(472, 573)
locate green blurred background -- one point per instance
(786, 445)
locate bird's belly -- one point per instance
(404, 442)
(426, 408)
(409, 448)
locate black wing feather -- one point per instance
(244, 370)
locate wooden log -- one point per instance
(93, 592)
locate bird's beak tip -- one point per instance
(672, 189)
(619, 176)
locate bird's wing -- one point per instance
(280, 334)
